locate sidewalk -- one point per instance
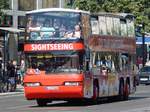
(19, 90)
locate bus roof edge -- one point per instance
(57, 9)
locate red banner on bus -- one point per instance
(52, 47)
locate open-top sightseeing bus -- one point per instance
(68, 58)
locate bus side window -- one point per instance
(116, 65)
(109, 63)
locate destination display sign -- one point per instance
(52, 47)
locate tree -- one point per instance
(4, 4)
(140, 8)
(88, 5)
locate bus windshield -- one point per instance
(54, 62)
(49, 25)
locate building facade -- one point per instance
(15, 18)
(15, 15)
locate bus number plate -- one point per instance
(52, 88)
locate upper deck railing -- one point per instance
(113, 24)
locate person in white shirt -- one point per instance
(77, 32)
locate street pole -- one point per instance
(143, 44)
(4, 72)
(5, 53)
(4, 64)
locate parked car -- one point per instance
(144, 75)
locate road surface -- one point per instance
(138, 102)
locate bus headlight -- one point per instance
(72, 83)
(33, 84)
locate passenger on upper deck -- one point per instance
(62, 30)
(69, 32)
(47, 30)
(33, 27)
(76, 33)
(57, 26)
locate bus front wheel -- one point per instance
(121, 91)
(41, 102)
(95, 94)
(127, 91)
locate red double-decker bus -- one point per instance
(66, 59)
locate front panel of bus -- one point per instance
(56, 74)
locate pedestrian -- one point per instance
(22, 69)
(11, 73)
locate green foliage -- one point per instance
(4, 4)
(88, 5)
(140, 8)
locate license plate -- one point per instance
(143, 79)
(52, 87)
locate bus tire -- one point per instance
(95, 94)
(126, 91)
(121, 91)
(41, 102)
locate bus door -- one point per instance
(100, 73)
(112, 64)
(88, 80)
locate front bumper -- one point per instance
(144, 80)
(53, 92)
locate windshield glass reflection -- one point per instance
(48, 25)
(55, 63)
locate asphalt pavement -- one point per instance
(138, 102)
(19, 90)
